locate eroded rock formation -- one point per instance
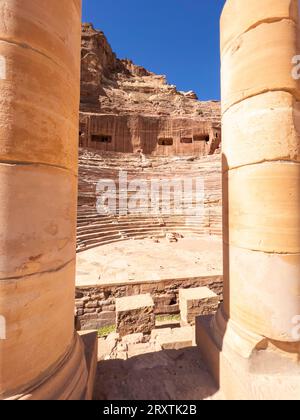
(125, 107)
(113, 86)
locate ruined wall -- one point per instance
(95, 306)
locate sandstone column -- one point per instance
(40, 356)
(253, 344)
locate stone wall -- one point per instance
(162, 136)
(95, 305)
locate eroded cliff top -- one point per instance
(110, 85)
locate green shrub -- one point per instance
(105, 331)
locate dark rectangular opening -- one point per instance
(101, 139)
(186, 140)
(204, 137)
(165, 141)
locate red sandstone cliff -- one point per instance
(113, 86)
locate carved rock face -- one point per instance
(110, 85)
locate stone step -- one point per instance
(174, 339)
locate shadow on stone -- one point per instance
(164, 375)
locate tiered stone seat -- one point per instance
(94, 230)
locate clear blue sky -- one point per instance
(178, 38)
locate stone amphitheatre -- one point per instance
(150, 243)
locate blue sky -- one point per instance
(178, 38)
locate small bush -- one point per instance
(105, 331)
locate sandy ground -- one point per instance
(145, 260)
(164, 375)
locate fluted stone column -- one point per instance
(40, 356)
(252, 345)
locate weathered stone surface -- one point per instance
(116, 347)
(89, 311)
(140, 349)
(256, 12)
(135, 314)
(107, 345)
(250, 344)
(133, 338)
(196, 302)
(33, 215)
(176, 339)
(252, 226)
(92, 304)
(275, 278)
(166, 304)
(158, 332)
(38, 132)
(246, 63)
(248, 130)
(169, 287)
(41, 357)
(95, 321)
(94, 229)
(26, 25)
(113, 86)
(131, 108)
(169, 375)
(34, 294)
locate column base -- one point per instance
(246, 366)
(90, 342)
(72, 378)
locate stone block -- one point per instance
(272, 277)
(175, 339)
(242, 366)
(140, 349)
(135, 314)
(263, 196)
(248, 17)
(90, 343)
(34, 213)
(107, 345)
(195, 302)
(261, 128)
(96, 321)
(28, 139)
(20, 302)
(158, 332)
(247, 62)
(91, 305)
(41, 37)
(79, 304)
(89, 311)
(133, 338)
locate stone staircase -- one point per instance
(94, 229)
